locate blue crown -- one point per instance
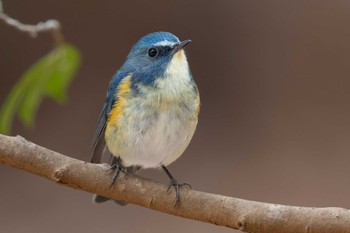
(153, 38)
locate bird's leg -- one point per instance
(117, 167)
(175, 184)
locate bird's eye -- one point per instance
(152, 52)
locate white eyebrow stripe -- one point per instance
(165, 43)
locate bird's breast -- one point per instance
(153, 125)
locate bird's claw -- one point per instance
(177, 186)
(117, 167)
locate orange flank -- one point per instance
(123, 92)
(199, 105)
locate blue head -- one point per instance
(150, 57)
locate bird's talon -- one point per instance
(118, 168)
(187, 184)
(177, 186)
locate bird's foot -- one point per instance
(174, 183)
(117, 167)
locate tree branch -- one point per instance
(50, 25)
(247, 216)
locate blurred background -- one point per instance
(274, 122)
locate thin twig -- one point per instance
(247, 216)
(50, 25)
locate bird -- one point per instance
(151, 110)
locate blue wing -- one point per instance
(99, 143)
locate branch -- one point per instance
(50, 25)
(247, 216)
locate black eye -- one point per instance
(152, 52)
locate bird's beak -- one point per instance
(180, 45)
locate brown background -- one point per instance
(274, 123)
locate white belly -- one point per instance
(152, 138)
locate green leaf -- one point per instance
(1, 7)
(49, 76)
(8, 110)
(62, 73)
